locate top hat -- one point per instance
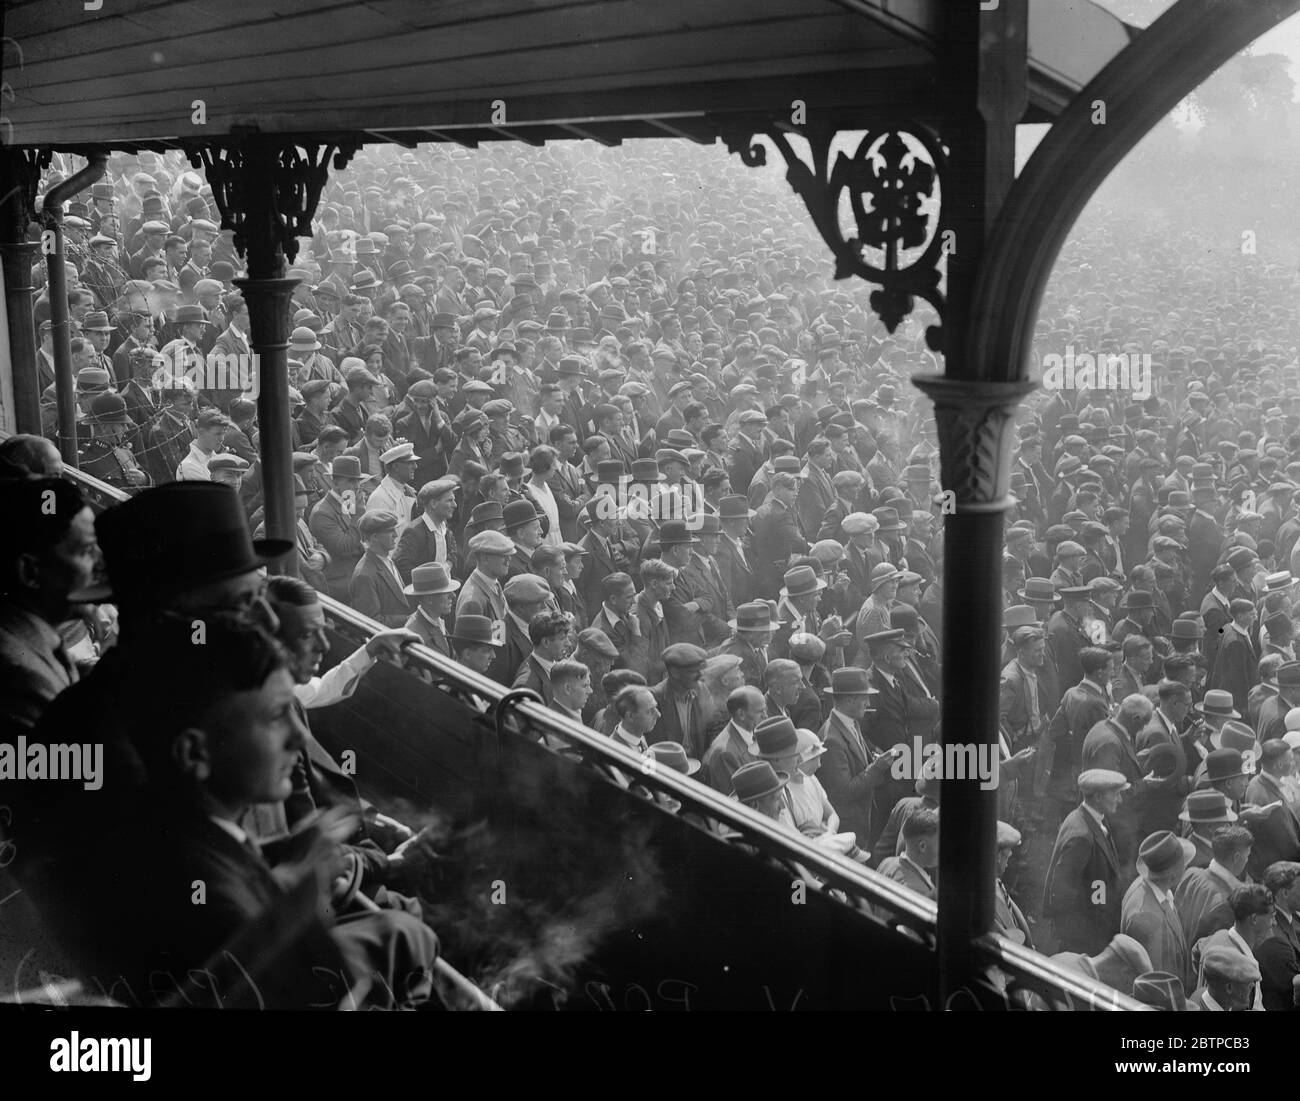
(431, 579)
(174, 537)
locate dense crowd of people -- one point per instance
(597, 424)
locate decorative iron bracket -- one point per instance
(23, 169)
(886, 181)
(298, 176)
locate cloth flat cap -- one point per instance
(1229, 965)
(227, 462)
(375, 523)
(1008, 836)
(859, 523)
(491, 542)
(594, 639)
(525, 588)
(1095, 780)
(684, 655)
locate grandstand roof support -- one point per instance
(20, 171)
(267, 190)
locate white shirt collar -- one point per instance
(1098, 816)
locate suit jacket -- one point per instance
(1204, 542)
(162, 932)
(1158, 930)
(1082, 893)
(434, 637)
(480, 596)
(1235, 668)
(1279, 962)
(416, 546)
(1068, 639)
(1202, 899)
(654, 639)
(1014, 706)
(1277, 837)
(737, 569)
(432, 445)
(843, 774)
(776, 538)
(375, 592)
(34, 668)
(597, 565)
(340, 535)
(726, 753)
(669, 727)
(1060, 750)
(816, 495)
(903, 871)
(744, 460)
(532, 675)
(511, 657)
(702, 580)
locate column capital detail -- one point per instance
(976, 433)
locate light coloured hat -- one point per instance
(491, 542)
(400, 451)
(859, 523)
(1101, 779)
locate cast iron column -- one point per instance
(986, 57)
(20, 172)
(267, 190)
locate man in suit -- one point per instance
(1061, 747)
(681, 718)
(904, 707)
(1204, 537)
(334, 521)
(526, 596)
(550, 634)
(735, 560)
(1231, 979)
(1277, 835)
(489, 552)
(376, 588)
(48, 556)
(853, 770)
(603, 557)
(733, 744)
(233, 342)
(917, 867)
(1150, 914)
(1279, 954)
(659, 579)
(1068, 633)
(1022, 702)
(776, 532)
(424, 427)
(745, 455)
(429, 537)
(433, 591)
(1236, 668)
(1082, 893)
(1008, 918)
(816, 493)
(701, 581)
(615, 619)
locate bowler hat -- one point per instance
(673, 533)
(1187, 629)
(175, 537)
(735, 507)
(518, 513)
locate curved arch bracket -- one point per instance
(1141, 85)
(888, 184)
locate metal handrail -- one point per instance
(866, 891)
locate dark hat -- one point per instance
(518, 513)
(1187, 629)
(1163, 852)
(880, 642)
(775, 738)
(802, 581)
(1207, 807)
(735, 507)
(755, 780)
(1224, 764)
(756, 615)
(675, 533)
(684, 655)
(888, 519)
(645, 471)
(478, 630)
(109, 408)
(345, 466)
(175, 537)
(852, 681)
(1137, 599)
(1161, 990)
(374, 522)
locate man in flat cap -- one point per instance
(527, 596)
(376, 588)
(1231, 981)
(681, 717)
(1083, 894)
(429, 537)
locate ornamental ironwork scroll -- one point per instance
(298, 176)
(887, 182)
